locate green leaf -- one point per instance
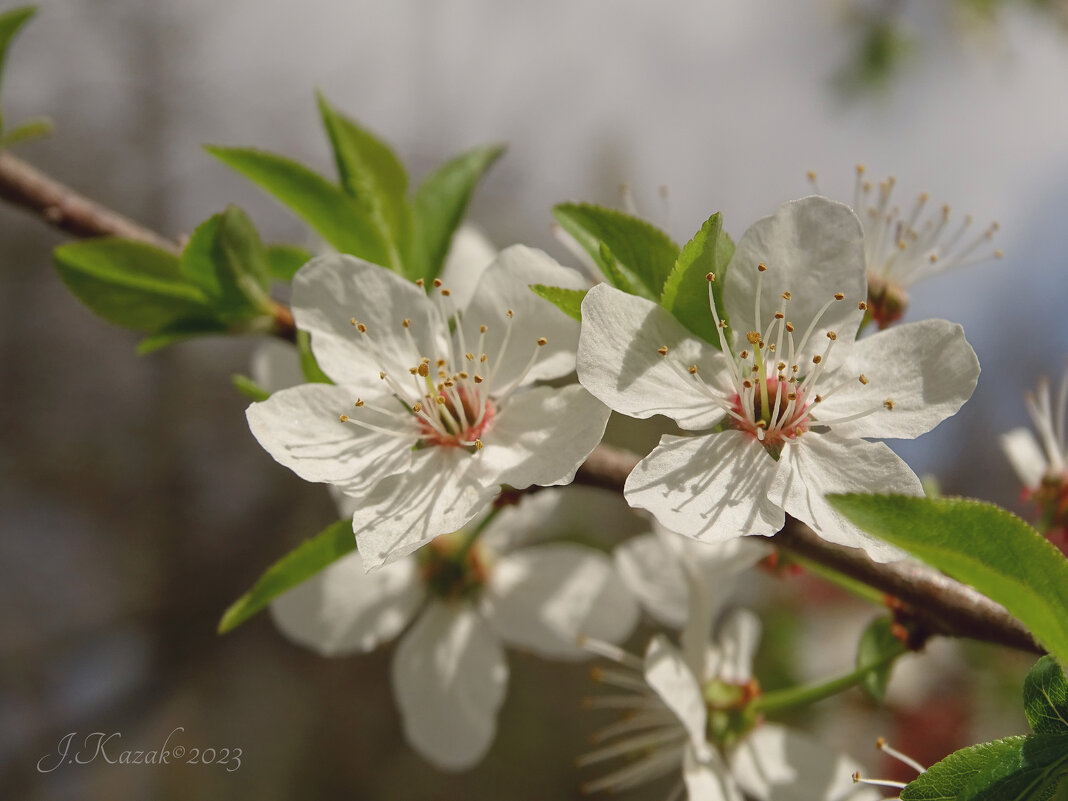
(685, 292)
(1046, 697)
(877, 647)
(11, 22)
(645, 254)
(323, 205)
(285, 260)
(569, 301)
(308, 365)
(180, 330)
(439, 207)
(129, 283)
(1014, 769)
(371, 173)
(226, 258)
(300, 564)
(34, 128)
(610, 267)
(969, 540)
(249, 388)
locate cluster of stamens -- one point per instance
(1051, 495)
(444, 395)
(901, 247)
(774, 398)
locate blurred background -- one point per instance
(134, 504)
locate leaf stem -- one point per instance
(810, 693)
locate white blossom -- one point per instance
(432, 409)
(789, 400)
(460, 607)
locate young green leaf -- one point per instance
(284, 261)
(1046, 697)
(34, 128)
(180, 330)
(302, 563)
(645, 254)
(569, 301)
(129, 283)
(877, 647)
(308, 365)
(226, 259)
(612, 271)
(11, 21)
(969, 540)
(439, 207)
(249, 388)
(372, 174)
(323, 205)
(686, 288)
(1014, 769)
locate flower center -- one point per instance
(446, 398)
(452, 569)
(729, 716)
(786, 419)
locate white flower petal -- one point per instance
(301, 429)
(819, 464)
(344, 609)
(449, 677)
(667, 673)
(506, 285)
(776, 764)
(541, 436)
(470, 253)
(736, 643)
(275, 365)
(330, 291)
(1025, 455)
(543, 598)
(927, 368)
(651, 567)
(711, 488)
(618, 360)
(708, 779)
(438, 495)
(813, 248)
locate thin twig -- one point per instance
(936, 602)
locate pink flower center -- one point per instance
(785, 419)
(460, 421)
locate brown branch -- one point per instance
(62, 207)
(939, 604)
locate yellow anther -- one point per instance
(352, 321)
(838, 296)
(817, 359)
(831, 335)
(818, 399)
(933, 258)
(863, 379)
(542, 341)
(423, 370)
(510, 313)
(692, 369)
(478, 379)
(406, 322)
(889, 404)
(358, 403)
(786, 296)
(382, 375)
(417, 407)
(361, 328)
(753, 337)
(747, 384)
(860, 169)
(419, 282)
(792, 396)
(344, 418)
(762, 267)
(789, 327)
(442, 374)
(811, 176)
(710, 277)
(482, 358)
(469, 356)
(998, 254)
(478, 444)
(662, 350)
(446, 292)
(412, 370)
(439, 363)
(781, 366)
(862, 306)
(744, 354)
(437, 283)
(482, 329)
(440, 399)
(779, 315)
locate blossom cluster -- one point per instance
(442, 410)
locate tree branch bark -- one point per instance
(938, 603)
